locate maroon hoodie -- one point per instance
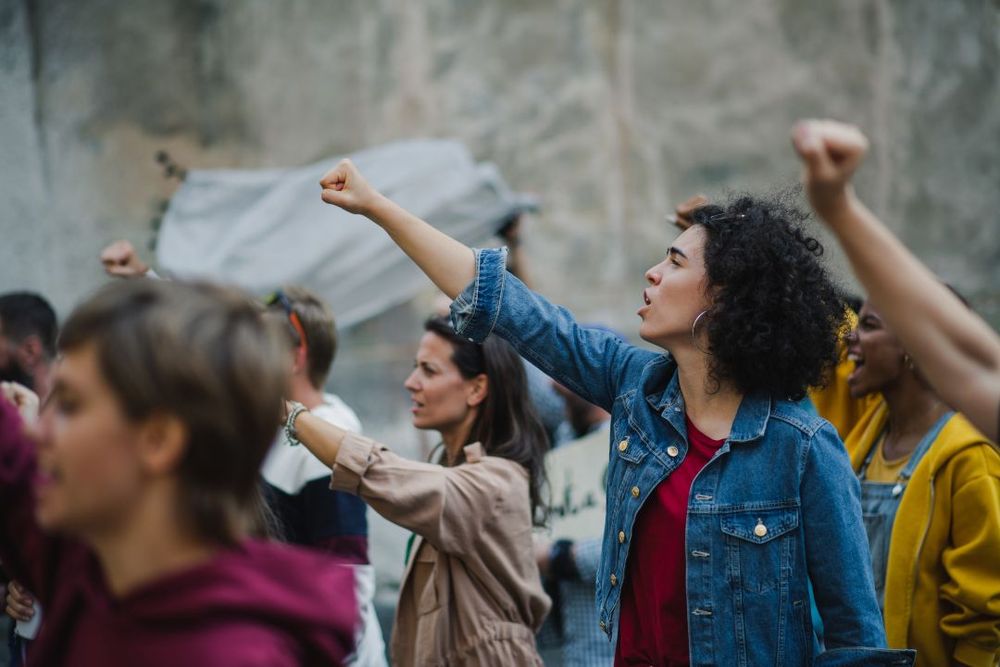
(256, 604)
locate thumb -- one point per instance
(811, 149)
(335, 197)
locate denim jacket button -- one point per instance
(602, 625)
(635, 491)
(760, 530)
(621, 537)
(623, 445)
(614, 580)
(672, 451)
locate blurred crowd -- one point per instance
(789, 474)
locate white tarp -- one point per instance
(264, 228)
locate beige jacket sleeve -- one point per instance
(446, 506)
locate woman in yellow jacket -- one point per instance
(931, 499)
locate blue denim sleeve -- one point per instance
(593, 363)
(837, 547)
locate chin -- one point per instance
(860, 390)
(646, 332)
(422, 424)
(49, 518)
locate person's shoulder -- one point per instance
(963, 449)
(497, 473)
(800, 417)
(263, 592)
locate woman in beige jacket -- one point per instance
(471, 593)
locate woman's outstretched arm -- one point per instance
(449, 264)
(957, 351)
(450, 507)
(591, 362)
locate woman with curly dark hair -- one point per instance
(727, 503)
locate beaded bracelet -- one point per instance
(297, 409)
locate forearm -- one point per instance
(319, 436)
(449, 264)
(957, 351)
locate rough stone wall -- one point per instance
(611, 111)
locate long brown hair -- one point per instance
(507, 424)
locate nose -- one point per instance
(852, 336)
(653, 275)
(411, 383)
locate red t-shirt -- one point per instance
(653, 625)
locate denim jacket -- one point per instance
(776, 507)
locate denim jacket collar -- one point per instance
(751, 418)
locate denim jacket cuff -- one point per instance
(352, 462)
(474, 312)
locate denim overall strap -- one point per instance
(879, 502)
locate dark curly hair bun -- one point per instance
(776, 313)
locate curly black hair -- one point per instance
(776, 313)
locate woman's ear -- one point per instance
(162, 443)
(479, 389)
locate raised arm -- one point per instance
(957, 351)
(487, 299)
(448, 263)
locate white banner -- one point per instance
(577, 474)
(261, 229)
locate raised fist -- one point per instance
(120, 260)
(830, 152)
(344, 186)
(25, 400)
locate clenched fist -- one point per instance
(830, 152)
(344, 186)
(121, 260)
(25, 400)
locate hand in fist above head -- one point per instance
(831, 152)
(121, 260)
(344, 186)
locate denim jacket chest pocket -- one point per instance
(628, 453)
(760, 547)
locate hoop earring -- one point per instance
(694, 336)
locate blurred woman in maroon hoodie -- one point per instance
(128, 516)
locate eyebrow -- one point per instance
(674, 250)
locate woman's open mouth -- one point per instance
(859, 364)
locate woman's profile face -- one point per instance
(89, 472)
(442, 399)
(878, 357)
(676, 293)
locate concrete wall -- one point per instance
(610, 111)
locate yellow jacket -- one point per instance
(942, 592)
